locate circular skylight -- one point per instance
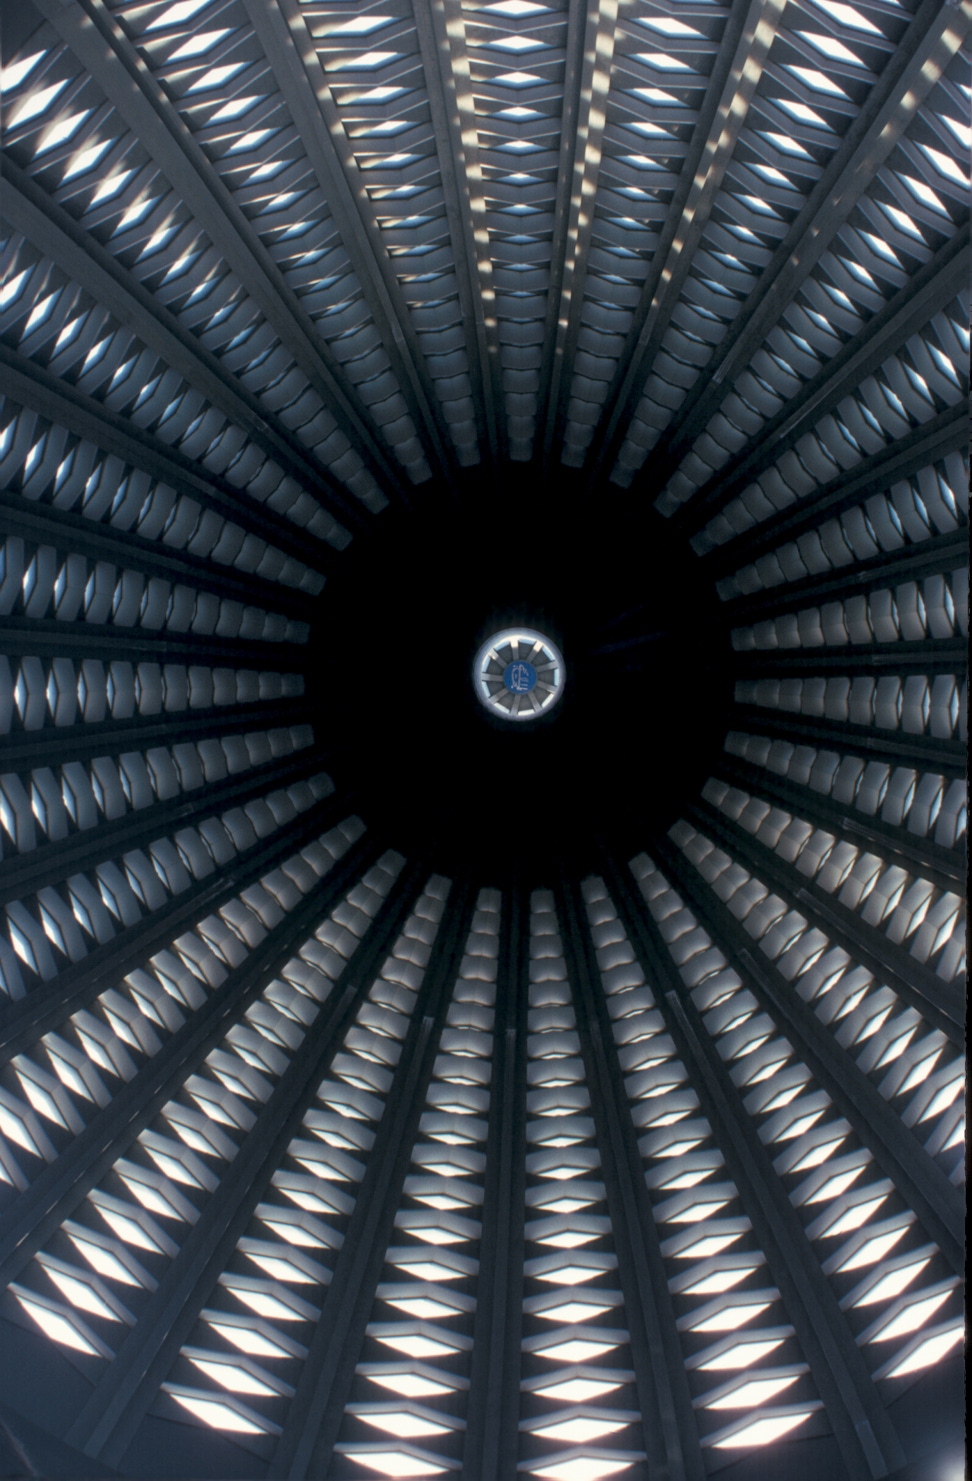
(518, 674)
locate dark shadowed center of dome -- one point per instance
(391, 668)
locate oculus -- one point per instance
(518, 674)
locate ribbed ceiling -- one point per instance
(383, 1093)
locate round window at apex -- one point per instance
(518, 674)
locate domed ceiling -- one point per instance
(388, 1090)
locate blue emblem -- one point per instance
(520, 677)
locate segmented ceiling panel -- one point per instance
(644, 1170)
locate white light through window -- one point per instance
(761, 1431)
(518, 674)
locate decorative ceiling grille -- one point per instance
(649, 1167)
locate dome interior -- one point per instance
(387, 1090)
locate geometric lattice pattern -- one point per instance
(330, 1161)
